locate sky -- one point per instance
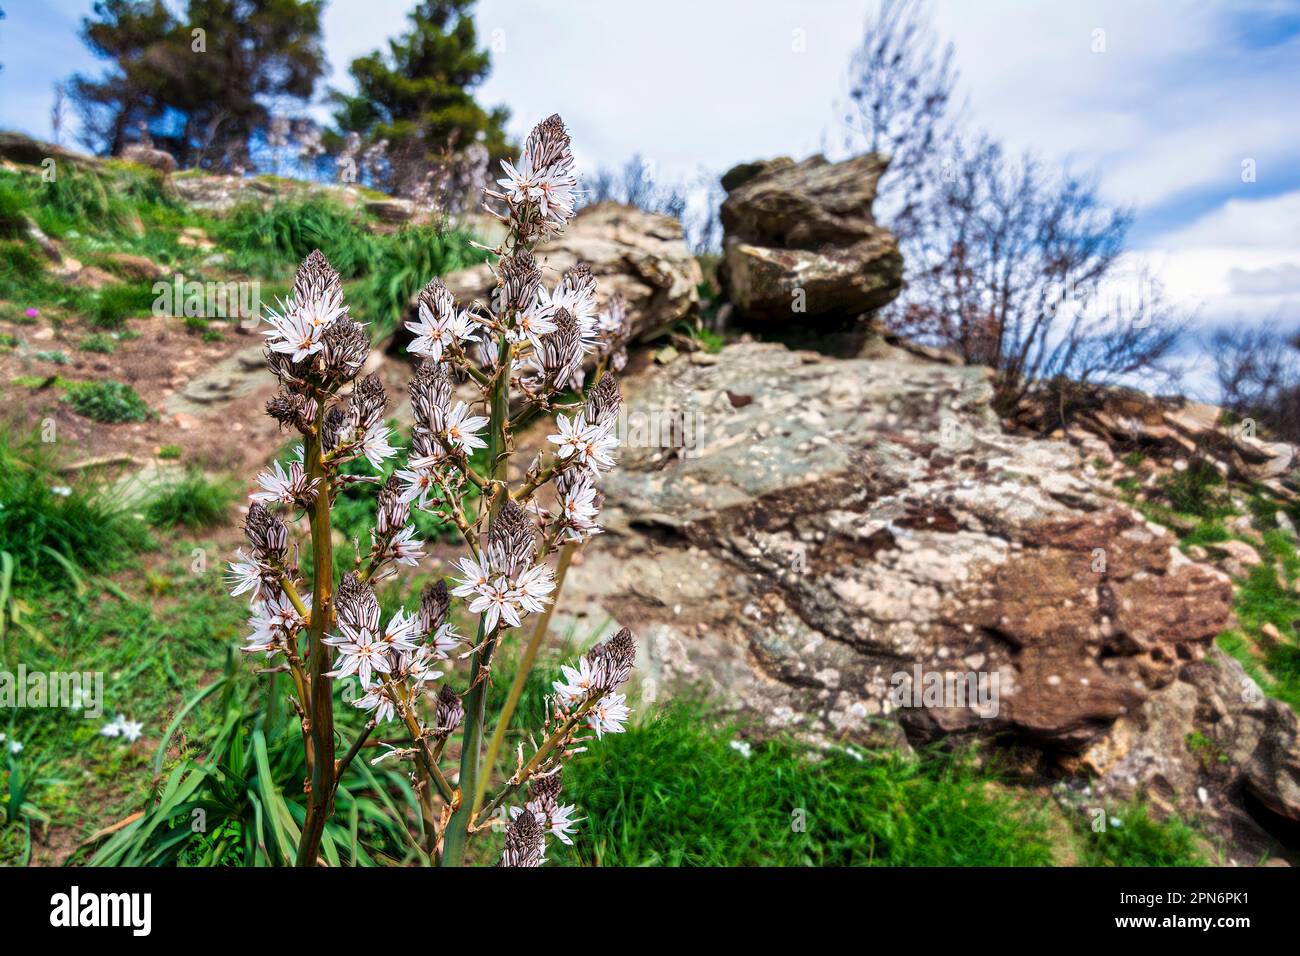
(1187, 111)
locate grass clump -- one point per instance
(117, 303)
(1132, 837)
(194, 502)
(1197, 490)
(275, 239)
(49, 529)
(675, 792)
(99, 342)
(108, 402)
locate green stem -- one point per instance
(320, 798)
(457, 832)
(521, 676)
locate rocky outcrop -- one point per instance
(801, 245)
(142, 155)
(821, 541)
(640, 254)
(1174, 428)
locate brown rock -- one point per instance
(640, 254)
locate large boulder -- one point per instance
(801, 244)
(149, 156)
(640, 254)
(819, 541)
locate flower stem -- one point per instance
(320, 796)
(457, 831)
(521, 676)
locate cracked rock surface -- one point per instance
(819, 536)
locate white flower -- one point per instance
(576, 684)
(443, 641)
(360, 653)
(62, 491)
(15, 747)
(419, 485)
(435, 333)
(553, 189)
(121, 727)
(375, 445)
(533, 323)
(743, 748)
(376, 699)
(561, 822)
(608, 715)
(579, 511)
(495, 602)
(592, 445)
(599, 444)
(246, 575)
(406, 547)
(282, 487)
(531, 588)
(402, 631)
(570, 436)
(462, 428)
(476, 576)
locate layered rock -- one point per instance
(816, 539)
(639, 254)
(801, 244)
(1174, 427)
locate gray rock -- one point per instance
(801, 244)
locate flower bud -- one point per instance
(267, 534)
(391, 512)
(435, 599)
(449, 712)
(356, 604)
(512, 540)
(603, 401)
(523, 842)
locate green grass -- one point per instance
(50, 535)
(274, 240)
(674, 792)
(99, 342)
(194, 502)
(116, 303)
(1140, 840)
(108, 402)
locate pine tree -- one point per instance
(418, 97)
(197, 84)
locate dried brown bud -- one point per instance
(449, 712)
(548, 144)
(344, 348)
(292, 409)
(611, 661)
(435, 599)
(545, 792)
(391, 512)
(315, 278)
(335, 426)
(356, 604)
(267, 534)
(511, 540)
(368, 402)
(520, 280)
(523, 841)
(603, 401)
(561, 351)
(430, 392)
